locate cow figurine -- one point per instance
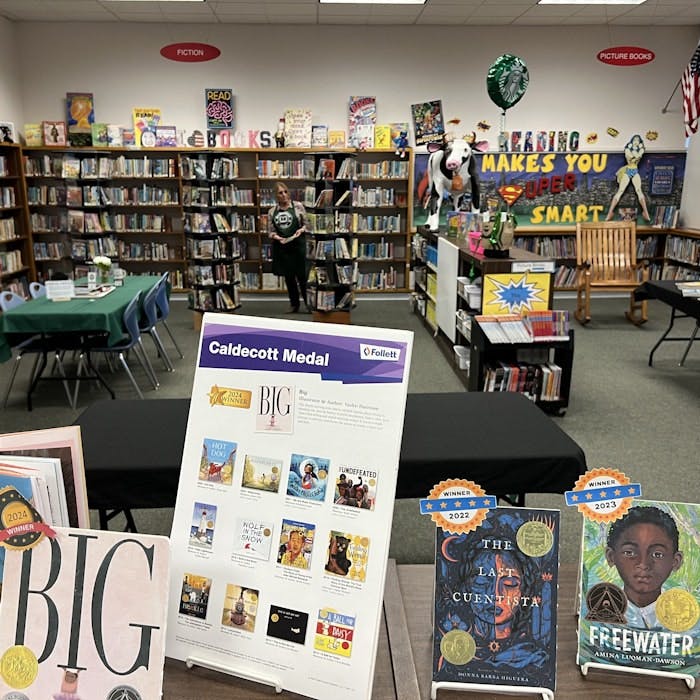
(451, 169)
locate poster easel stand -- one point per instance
(546, 693)
(191, 661)
(689, 680)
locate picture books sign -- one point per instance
(281, 528)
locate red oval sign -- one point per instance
(190, 52)
(626, 56)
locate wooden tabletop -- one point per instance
(404, 663)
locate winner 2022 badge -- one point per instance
(457, 505)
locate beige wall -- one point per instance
(271, 68)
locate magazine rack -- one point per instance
(546, 693)
(689, 680)
(191, 661)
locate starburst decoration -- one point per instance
(516, 296)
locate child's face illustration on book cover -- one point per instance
(308, 477)
(296, 544)
(217, 461)
(500, 596)
(642, 572)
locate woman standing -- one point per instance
(287, 228)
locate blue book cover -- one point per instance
(308, 477)
(496, 600)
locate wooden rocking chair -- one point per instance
(606, 261)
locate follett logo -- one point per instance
(378, 352)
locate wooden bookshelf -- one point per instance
(16, 254)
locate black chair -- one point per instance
(163, 307)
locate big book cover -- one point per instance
(83, 615)
(640, 589)
(496, 600)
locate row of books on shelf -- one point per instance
(328, 300)
(8, 197)
(331, 249)
(52, 251)
(380, 279)
(214, 248)
(213, 274)
(217, 196)
(148, 251)
(302, 169)
(74, 221)
(218, 299)
(10, 261)
(201, 168)
(70, 167)
(561, 247)
(538, 382)
(377, 197)
(4, 169)
(333, 274)
(97, 196)
(533, 327)
(683, 249)
(381, 250)
(680, 273)
(8, 231)
(86, 249)
(665, 216)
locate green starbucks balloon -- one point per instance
(507, 80)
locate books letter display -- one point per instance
(281, 528)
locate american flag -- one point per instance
(690, 84)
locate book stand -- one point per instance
(546, 693)
(191, 661)
(689, 680)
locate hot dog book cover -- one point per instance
(640, 589)
(83, 615)
(496, 600)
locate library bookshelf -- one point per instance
(138, 206)
(16, 259)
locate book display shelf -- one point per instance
(16, 260)
(216, 206)
(672, 254)
(116, 202)
(331, 252)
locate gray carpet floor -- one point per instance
(639, 419)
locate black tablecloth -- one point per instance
(666, 291)
(501, 441)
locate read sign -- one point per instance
(190, 52)
(626, 56)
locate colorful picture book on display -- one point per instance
(281, 528)
(108, 642)
(496, 600)
(640, 589)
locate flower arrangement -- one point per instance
(102, 263)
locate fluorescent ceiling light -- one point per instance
(155, 0)
(590, 2)
(372, 2)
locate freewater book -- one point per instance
(640, 589)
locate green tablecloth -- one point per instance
(77, 315)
